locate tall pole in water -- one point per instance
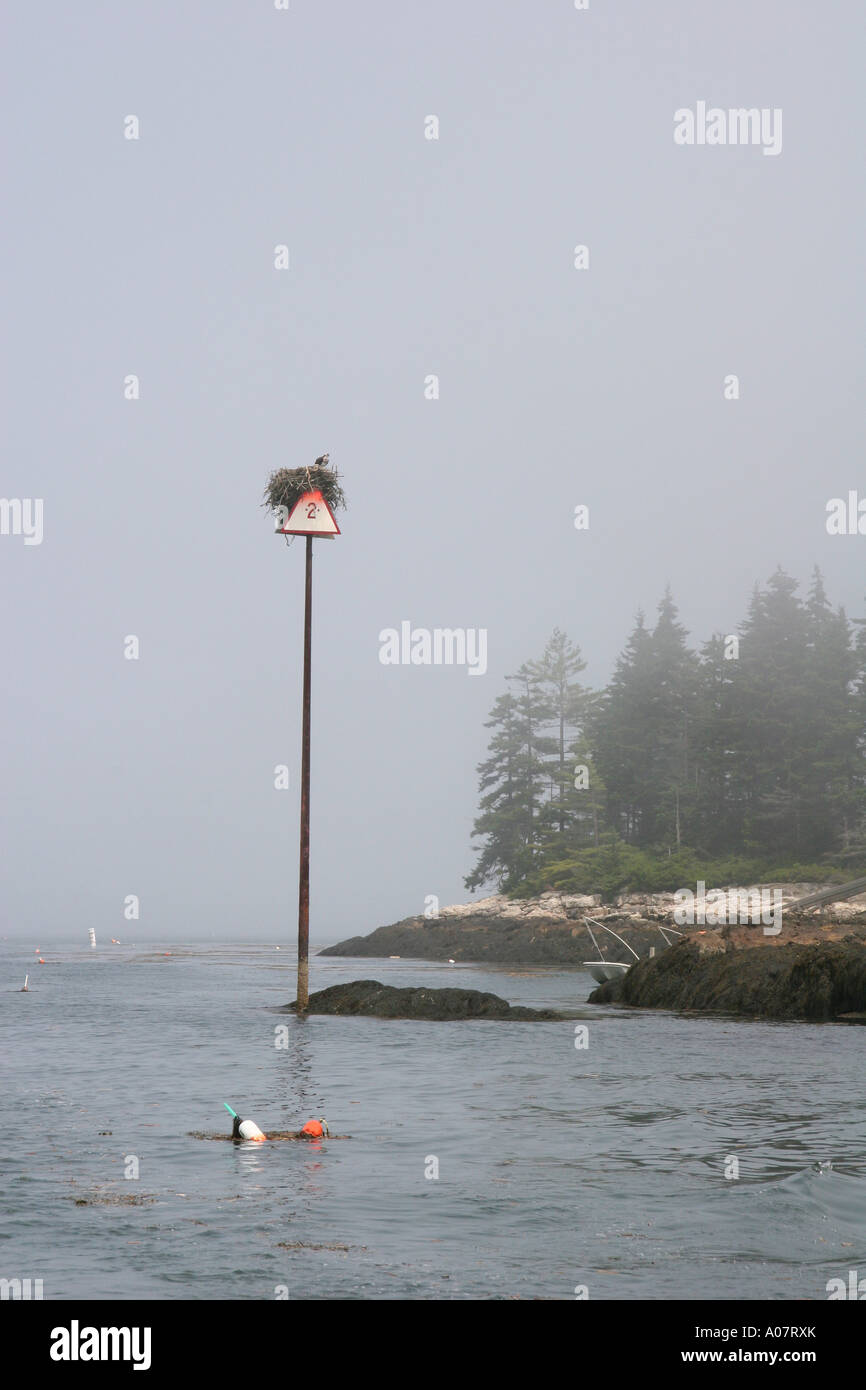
(301, 498)
(304, 867)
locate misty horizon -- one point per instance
(565, 378)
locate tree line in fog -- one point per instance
(744, 759)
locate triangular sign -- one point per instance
(310, 516)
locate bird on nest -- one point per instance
(322, 462)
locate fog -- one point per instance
(604, 385)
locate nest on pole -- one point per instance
(286, 487)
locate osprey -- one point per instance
(322, 462)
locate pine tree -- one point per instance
(642, 731)
(828, 729)
(854, 833)
(770, 700)
(716, 819)
(673, 712)
(760, 752)
(562, 706)
(766, 701)
(621, 734)
(588, 793)
(511, 781)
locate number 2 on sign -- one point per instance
(312, 508)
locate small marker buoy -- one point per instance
(25, 988)
(40, 961)
(314, 1129)
(245, 1129)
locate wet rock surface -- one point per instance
(819, 982)
(375, 1000)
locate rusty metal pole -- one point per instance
(304, 871)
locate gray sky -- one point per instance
(408, 257)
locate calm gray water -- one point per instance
(558, 1167)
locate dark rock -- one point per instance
(374, 1000)
(816, 982)
(495, 940)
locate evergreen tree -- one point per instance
(620, 734)
(717, 814)
(672, 715)
(642, 732)
(501, 811)
(561, 708)
(758, 754)
(588, 795)
(853, 826)
(829, 728)
(511, 781)
(796, 732)
(534, 713)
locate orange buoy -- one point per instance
(314, 1129)
(40, 961)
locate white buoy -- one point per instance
(248, 1129)
(92, 935)
(245, 1129)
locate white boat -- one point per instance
(602, 969)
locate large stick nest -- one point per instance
(286, 486)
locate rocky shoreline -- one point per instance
(549, 930)
(819, 982)
(813, 968)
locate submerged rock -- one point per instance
(816, 982)
(374, 1000)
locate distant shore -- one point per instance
(549, 930)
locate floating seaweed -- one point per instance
(279, 1134)
(309, 1245)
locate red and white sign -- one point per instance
(310, 516)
